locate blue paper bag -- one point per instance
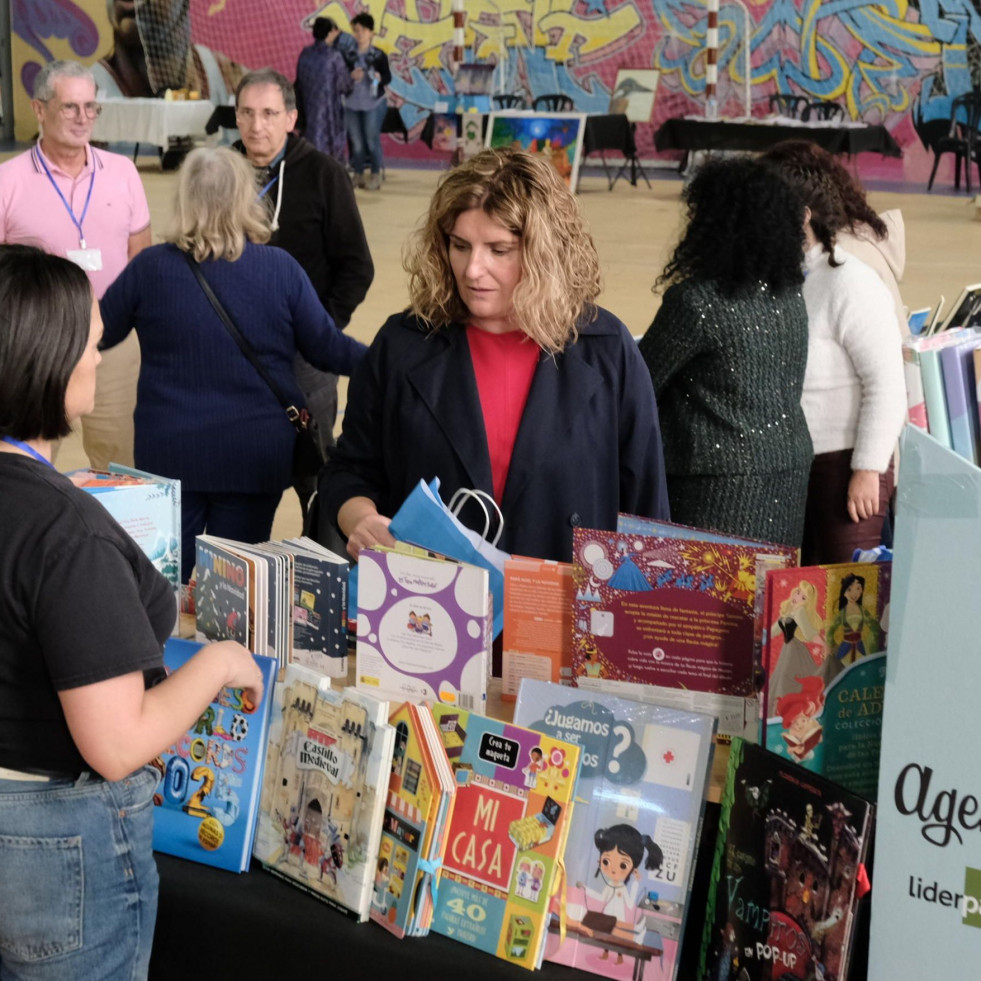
(424, 520)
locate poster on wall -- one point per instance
(555, 136)
(927, 877)
(634, 92)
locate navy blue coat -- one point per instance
(588, 445)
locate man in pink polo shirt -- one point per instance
(88, 205)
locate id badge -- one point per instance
(89, 259)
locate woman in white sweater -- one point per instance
(854, 393)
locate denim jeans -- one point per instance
(78, 883)
(364, 128)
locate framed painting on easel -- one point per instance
(555, 136)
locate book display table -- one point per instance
(689, 134)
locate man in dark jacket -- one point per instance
(314, 218)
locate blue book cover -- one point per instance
(211, 778)
(927, 879)
(632, 842)
(147, 507)
(957, 366)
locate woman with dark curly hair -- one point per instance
(878, 240)
(503, 375)
(854, 391)
(727, 351)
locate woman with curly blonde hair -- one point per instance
(503, 375)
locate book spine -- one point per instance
(962, 409)
(933, 393)
(915, 401)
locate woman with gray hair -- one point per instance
(204, 414)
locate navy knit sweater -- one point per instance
(203, 413)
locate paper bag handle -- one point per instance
(460, 498)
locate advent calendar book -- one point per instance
(630, 857)
(506, 839)
(324, 793)
(825, 665)
(787, 873)
(208, 796)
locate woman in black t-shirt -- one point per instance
(83, 698)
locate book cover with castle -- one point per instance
(323, 796)
(787, 873)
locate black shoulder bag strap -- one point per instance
(299, 417)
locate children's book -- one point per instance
(537, 638)
(787, 873)
(424, 628)
(208, 796)
(825, 668)
(319, 607)
(222, 598)
(675, 612)
(420, 800)
(631, 852)
(323, 797)
(923, 372)
(957, 367)
(506, 838)
(149, 510)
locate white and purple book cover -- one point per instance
(424, 629)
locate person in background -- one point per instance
(854, 389)
(87, 205)
(726, 353)
(314, 218)
(223, 433)
(365, 107)
(322, 80)
(84, 700)
(878, 240)
(503, 375)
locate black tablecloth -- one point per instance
(694, 134)
(608, 132)
(215, 924)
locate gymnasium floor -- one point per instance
(634, 229)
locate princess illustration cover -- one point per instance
(787, 873)
(825, 668)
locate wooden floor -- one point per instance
(634, 229)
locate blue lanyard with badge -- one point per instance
(89, 259)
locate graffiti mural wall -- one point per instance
(898, 62)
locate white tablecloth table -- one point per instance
(150, 120)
